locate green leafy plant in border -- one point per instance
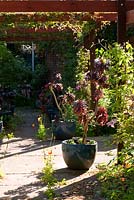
(14, 65)
(41, 132)
(117, 180)
(49, 178)
(121, 91)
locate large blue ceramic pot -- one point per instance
(79, 156)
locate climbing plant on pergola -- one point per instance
(120, 10)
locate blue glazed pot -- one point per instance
(79, 156)
(64, 130)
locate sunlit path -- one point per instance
(23, 161)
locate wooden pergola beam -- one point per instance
(34, 34)
(61, 6)
(21, 31)
(130, 17)
(58, 6)
(31, 38)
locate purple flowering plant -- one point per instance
(81, 100)
(87, 107)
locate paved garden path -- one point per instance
(23, 159)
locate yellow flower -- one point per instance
(39, 119)
(33, 125)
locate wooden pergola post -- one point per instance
(89, 43)
(121, 23)
(121, 38)
(92, 58)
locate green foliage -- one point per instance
(48, 172)
(11, 122)
(79, 141)
(117, 181)
(41, 133)
(12, 69)
(74, 24)
(48, 177)
(83, 57)
(107, 33)
(65, 52)
(121, 91)
(40, 72)
(22, 101)
(5, 134)
(130, 31)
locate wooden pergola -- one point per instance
(121, 11)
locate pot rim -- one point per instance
(92, 144)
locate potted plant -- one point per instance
(59, 109)
(79, 153)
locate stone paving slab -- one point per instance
(23, 168)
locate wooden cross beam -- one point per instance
(61, 6)
(31, 38)
(21, 31)
(58, 6)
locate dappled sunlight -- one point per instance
(23, 159)
(17, 146)
(80, 187)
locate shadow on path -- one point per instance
(27, 148)
(80, 189)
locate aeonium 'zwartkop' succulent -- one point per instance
(83, 107)
(81, 101)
